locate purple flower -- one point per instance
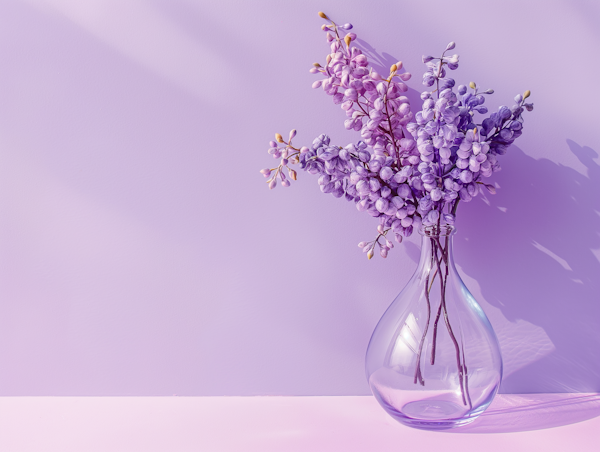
(410, 167)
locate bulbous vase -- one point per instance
(434, 361)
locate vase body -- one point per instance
(434, 361)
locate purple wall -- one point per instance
(142, 254)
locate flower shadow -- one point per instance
(381, 63)
(533, 251)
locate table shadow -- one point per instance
(525, 412)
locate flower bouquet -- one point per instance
(433, 361)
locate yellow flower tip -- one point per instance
(370, 254)
(472, 85)
(293, 174)
(328, 59)
(316, 65)
(394, 68)
(278, 137)
(475, 131)
(323, 15)
(347, 40)
(526, 94)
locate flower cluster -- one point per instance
(407, 170)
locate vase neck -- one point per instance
(437, 247)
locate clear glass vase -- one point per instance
(433, 361)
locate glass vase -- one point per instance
(433, 361)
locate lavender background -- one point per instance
(142, 254)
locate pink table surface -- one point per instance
(548, 422)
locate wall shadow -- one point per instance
(531, 249)
(534, 249)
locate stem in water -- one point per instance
(439, 257)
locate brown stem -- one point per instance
(466, 378)
(439, 313)
(462, 375)
(455, 206)
(435, 325)
(390, 126)
(418, 375)
(457, 347)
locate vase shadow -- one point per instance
(510, 413)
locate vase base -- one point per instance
(434, 425)
(432, 415)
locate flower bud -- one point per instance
(374, 184)
(466, 176)
(293, 174)
(433, 216)
(490, 188)
(526, 94)
(347, 40)
(451, 46)
(273, 184)
(292, 134)
(449, 218)
(394, 68)
(436, 194)
(406, 222)
(279, 138)
(472, 85)
(371, 253)
(386, 173)
(381, 205)
(323, 15)
(362, 244)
